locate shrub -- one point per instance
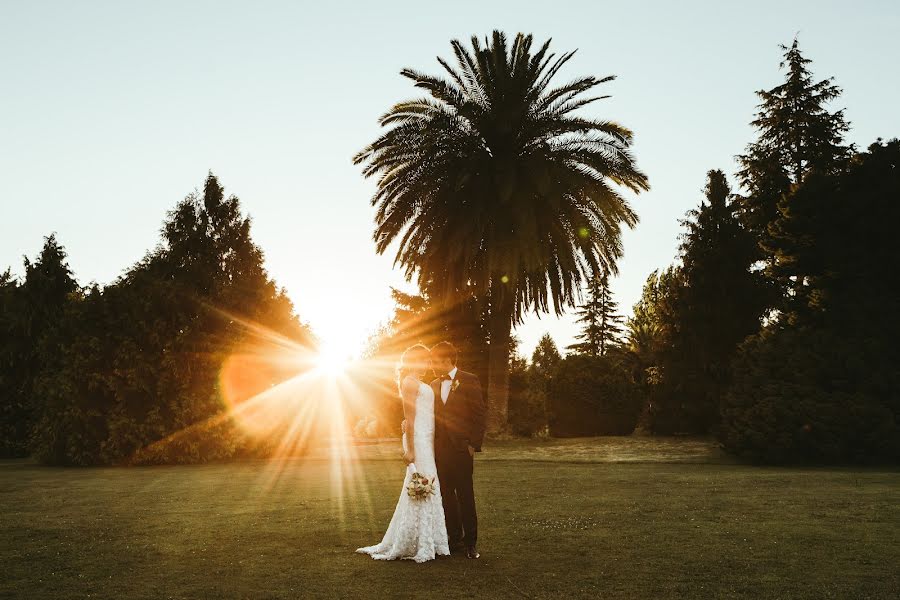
(803, 395)
(527, 400)
(592, 396)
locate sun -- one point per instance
(340, 340)
(332, 359)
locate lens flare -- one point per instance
(293, 402)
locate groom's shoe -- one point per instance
(471, 552)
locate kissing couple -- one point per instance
(446, 421)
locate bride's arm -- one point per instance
(409, 391)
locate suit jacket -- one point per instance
(462, 421)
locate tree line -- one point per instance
(775, 329)
(130, 372)
(770, 332)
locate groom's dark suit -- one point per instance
(460, 422)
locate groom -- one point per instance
(460, 422)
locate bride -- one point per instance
(417, 530)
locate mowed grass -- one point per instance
(599, 518)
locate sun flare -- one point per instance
(332, 359)
(340, 344)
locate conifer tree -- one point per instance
(143, 368)
(797, 135)
(545, 357)
(29, 323)
(720, 302)
(601, 324)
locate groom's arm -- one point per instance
(477, 414)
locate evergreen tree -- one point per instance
(545, 357)
(835, 238)
(824, 384)
(544, 361)
(32, 314)
(720, 302)
(144, 360)
(690, 320)
(797, 135)
(12, 409)
(723, 297)
(601, 324)
(589, 318)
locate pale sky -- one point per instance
(111, 112)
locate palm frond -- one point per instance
(495, 172)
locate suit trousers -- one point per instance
(454, 469)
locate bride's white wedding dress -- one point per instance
(417, 530)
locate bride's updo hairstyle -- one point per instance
(415, 361)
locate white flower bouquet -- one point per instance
(420, 486)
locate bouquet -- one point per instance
(420, 486)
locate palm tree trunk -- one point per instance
(500, 332)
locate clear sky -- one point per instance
(111, 112)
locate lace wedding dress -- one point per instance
(417, 530)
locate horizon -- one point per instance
(241, 92)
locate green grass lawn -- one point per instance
(600, 518)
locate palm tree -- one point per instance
(493, 187)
